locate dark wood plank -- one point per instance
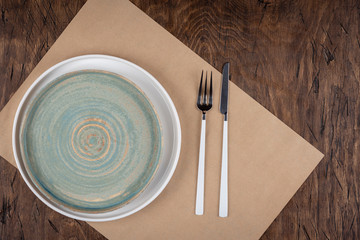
(299, 59)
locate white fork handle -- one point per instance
(223, 206)
(199, 210)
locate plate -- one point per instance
(96, 138)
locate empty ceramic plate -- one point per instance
(96, 138)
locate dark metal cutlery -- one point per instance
(204, 103)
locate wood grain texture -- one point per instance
(299, 59)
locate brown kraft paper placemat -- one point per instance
(268, 161)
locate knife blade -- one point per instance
(225, 90)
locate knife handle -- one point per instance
(199, 210)
(223, 205)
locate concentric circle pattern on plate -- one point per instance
(91, 141)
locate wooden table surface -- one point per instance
(299, 59)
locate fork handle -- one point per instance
(199, 210)
(223, 205)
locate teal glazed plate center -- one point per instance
(91, 141)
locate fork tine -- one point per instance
(199, 95)
(204, 102)
(211, 89)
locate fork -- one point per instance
(204, 106)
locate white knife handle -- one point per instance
(199, 210)
(223, 206)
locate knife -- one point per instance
(223, 205)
